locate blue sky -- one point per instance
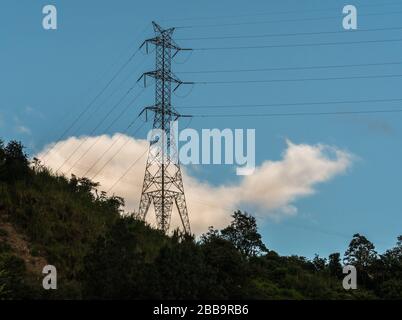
(48, 77)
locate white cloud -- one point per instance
(272, 189)
(30, 111)
(23, 129)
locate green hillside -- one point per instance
(101, 254)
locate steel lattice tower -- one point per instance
(163, 184)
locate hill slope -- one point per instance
(98, 253)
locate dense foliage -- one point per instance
(102, 254)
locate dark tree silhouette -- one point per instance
(334, 265)
(243, 233)
(361, 252)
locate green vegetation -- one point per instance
(101, 254)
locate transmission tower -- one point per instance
(163, 183)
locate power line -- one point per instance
(291, 68)
(127, 171)
(108, 128)
(88, 107)
(298, 80)
(116, 119)
(320, 230)
(268, 13)
(296, 114)
(94, 100)
(292, 104)
(297, 45)
(116, 153)
(99, 94)
(135, 162)
(95, 111)
(290, 34)
(315, 229)
(99, 124)
(110, 147)
(124, 51)
(279, 21)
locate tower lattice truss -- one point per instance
(163, 182)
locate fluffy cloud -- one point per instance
(23, 129)
(271, 190)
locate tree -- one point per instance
(14, 162)
(13, 284)
(334, 265)
(226, 268)
(3, 284)
(113, 203)
(119, 265)
(361, 252)
(113, 267)
(2, 152)
(390, 270)
(319, 263)
(243, 233)
(396, 252)
(391, 289)
(212, 234)
(181, 271)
